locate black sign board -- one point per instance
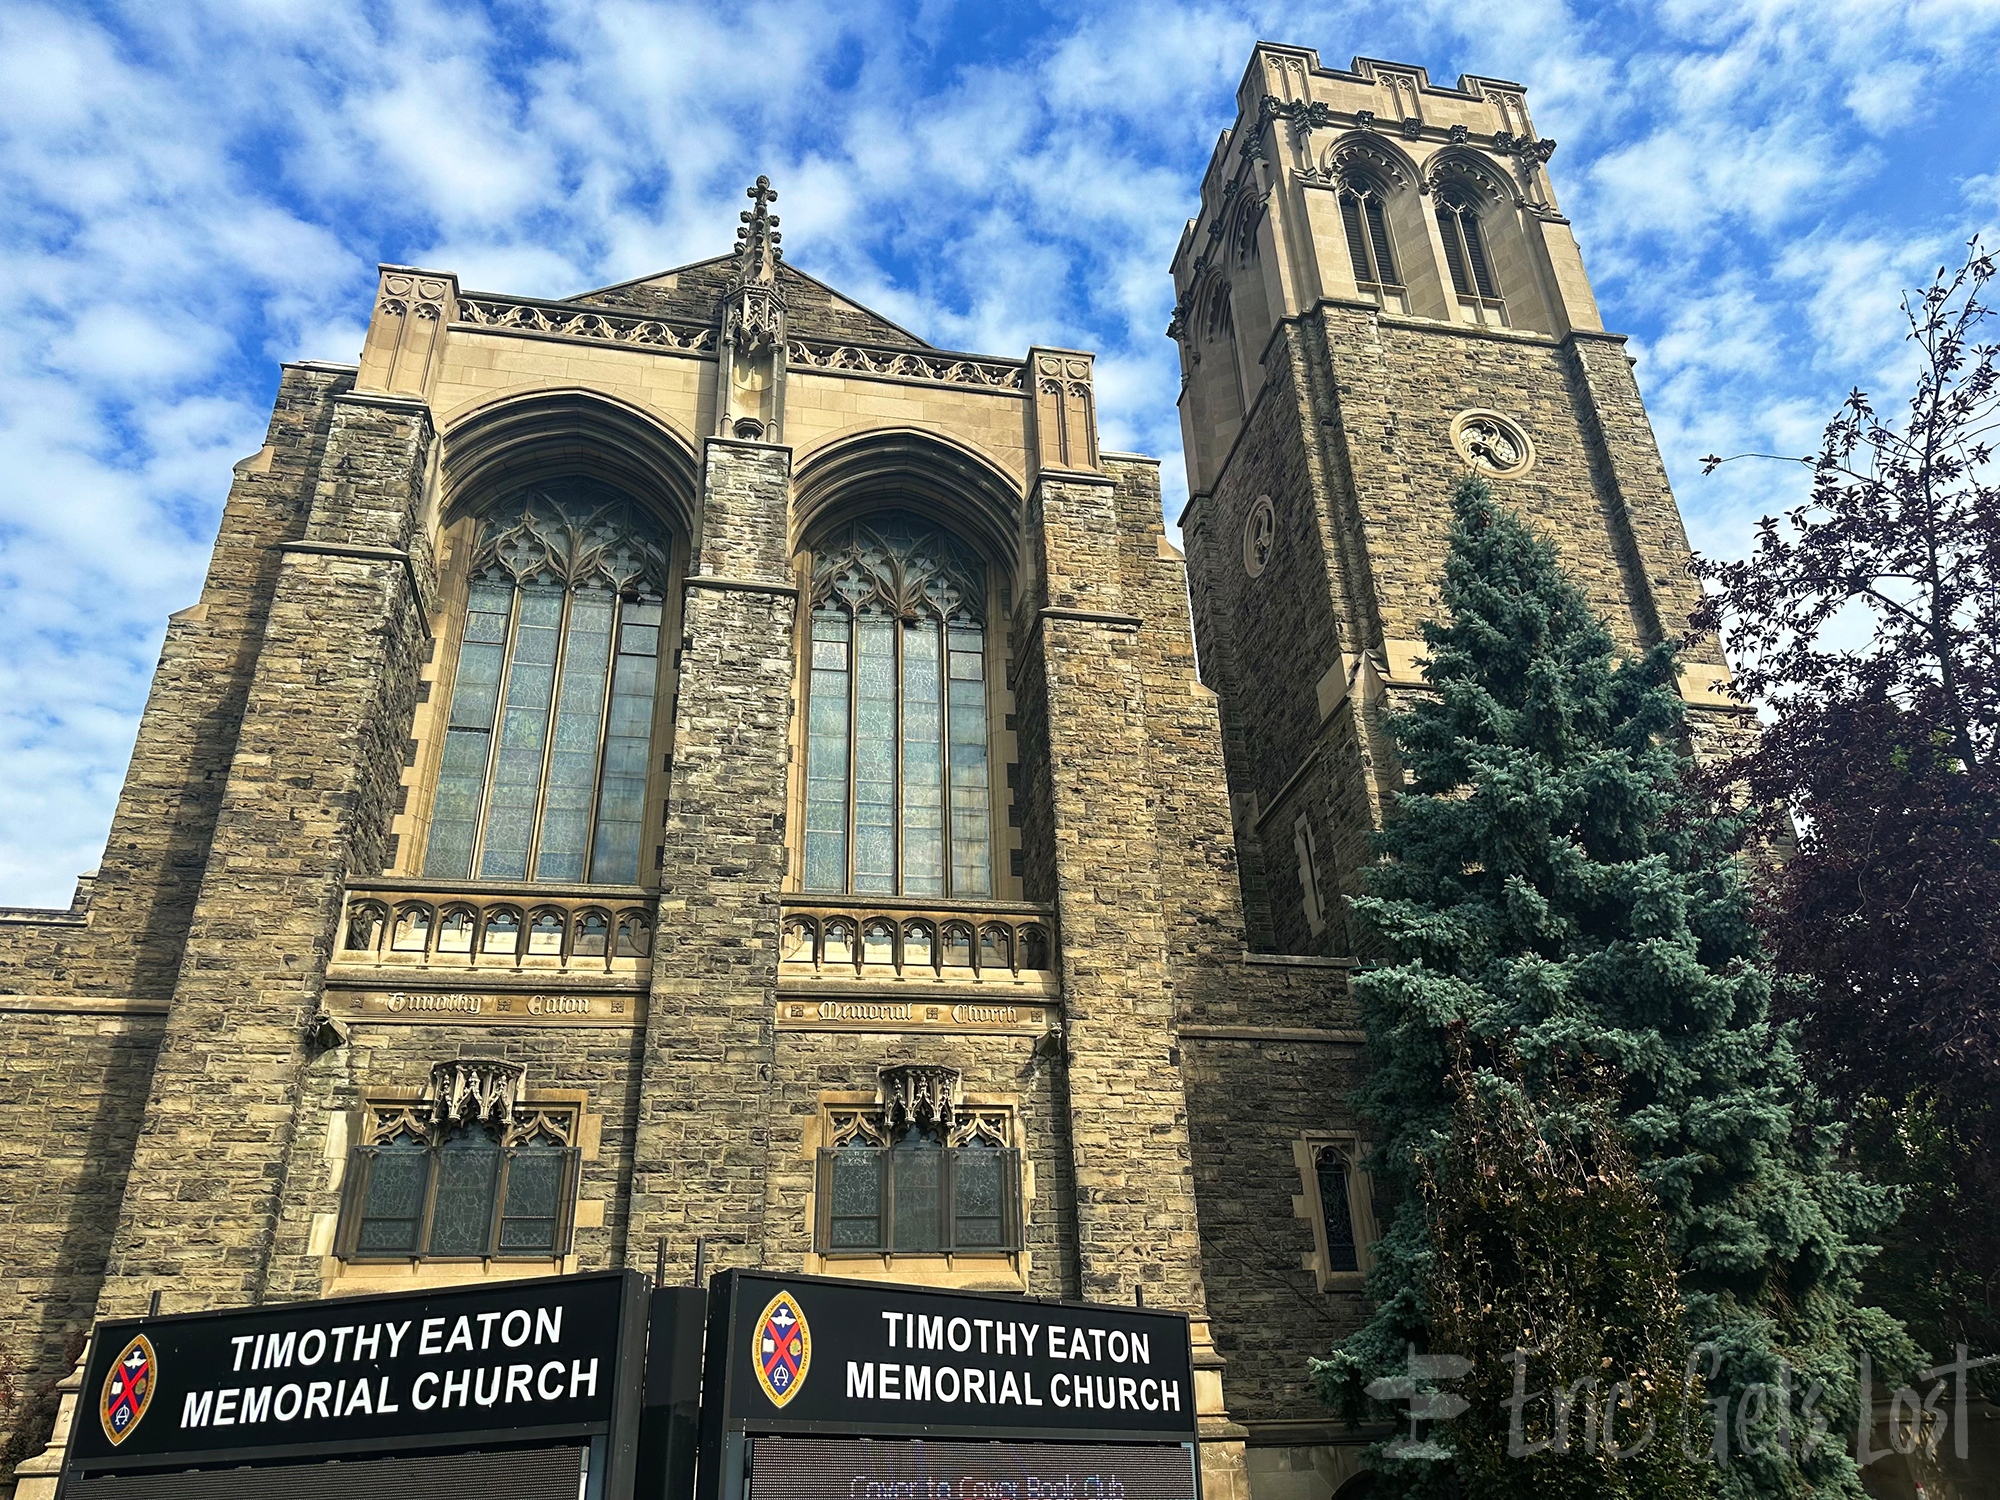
(546, 1361)
(803, 1356)
(808, 1354)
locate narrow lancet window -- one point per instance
(1368, 244)
(897, 793)
(1465, 256)
(549, 730)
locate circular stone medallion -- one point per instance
(1260, 536)
(1492, 443)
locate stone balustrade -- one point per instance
(911, 940)
(463, 925)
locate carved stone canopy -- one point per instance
(472, 1090)
(754, 310)
(920, 1096)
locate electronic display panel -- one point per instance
(789, 1468)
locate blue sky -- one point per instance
(192, 192)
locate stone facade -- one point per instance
(1159, 1013)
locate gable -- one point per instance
(814, 310)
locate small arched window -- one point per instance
(897, 793)
(550, 723)
(413, 930)
(455, 930)
(503, 933)
(365, 921)
(593, 934)
(797, 944)
(1369, 248)
(919, 947)
(635, 936)
(1465, 255)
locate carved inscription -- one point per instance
(504, 1008)
(912, 1015)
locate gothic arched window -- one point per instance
(551, 716)
(1465, 256)
(1368, 244)
(898, 798)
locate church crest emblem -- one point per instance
(782, 1348)
(128, 1390)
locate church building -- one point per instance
(694, 763)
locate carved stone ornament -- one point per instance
(896, 565)
(1465, 175)
(755, 309)
(916, 1096)
(574, 533)
(1492, 443)
(1357, 154)
(1260, 536)
(476, 1089)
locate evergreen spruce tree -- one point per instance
(1545, 884)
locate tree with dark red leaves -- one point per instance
(1866, 624)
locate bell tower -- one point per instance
(1378, 293)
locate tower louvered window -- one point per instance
(1465, 255)
(550, 722)
(897, 792)
(1368, 243)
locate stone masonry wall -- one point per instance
(310, 793)
(1135, 1204)
(1202, 909)
(71, 1087)
(1249, 1101)
(157, 849)
(1398, 385)
(701, 1149)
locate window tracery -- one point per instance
(471, 1169)
(919, 1171)
(898, 797)
(549, 726)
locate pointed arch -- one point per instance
(538, 436)
(913, 469)
(1380, 192)
(1480, 214)
(906, 543)
(1491, 182)
(1374, 154)
(568, 517)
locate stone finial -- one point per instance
(758, 241)
(476, 1089)
(914, 1094)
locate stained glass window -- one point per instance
(393, 1209)
(461, 1191)
(1336, 1210)
(897, 790)
(549, 730)
(918, 1196)
(941, 1183)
